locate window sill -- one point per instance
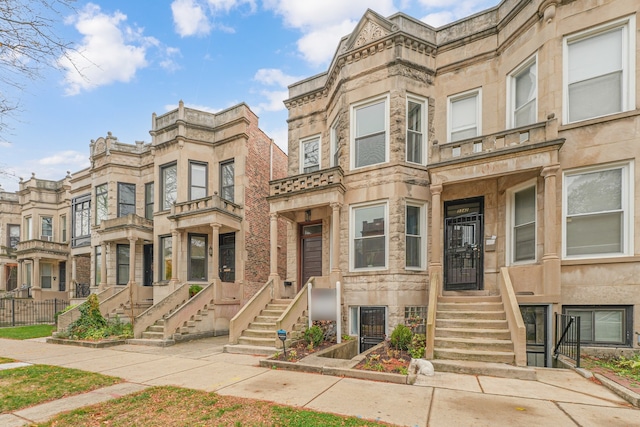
(599, 120)
(608, 260)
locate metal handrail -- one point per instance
(569, 342)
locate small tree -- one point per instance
(28, 43)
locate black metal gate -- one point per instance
(463, 257)
(372, 327)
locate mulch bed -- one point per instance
(299, 351)
(386, 359)
(591, 364)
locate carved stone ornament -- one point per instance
(371, 31)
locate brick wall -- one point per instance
(258, 174)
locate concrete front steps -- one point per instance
(260, 337)
(155, 334)
(472, 328)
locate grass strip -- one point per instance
(31, 385)
(27, 332)
(174, 406)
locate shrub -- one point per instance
(70, 307)
(91, 325)
(401, 337)
(90, 319)
(314, 335)
(194, 289)
(418, 343)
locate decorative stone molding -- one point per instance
(369, 33)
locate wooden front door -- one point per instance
(227, 257)
(310, 252)
(147, 262)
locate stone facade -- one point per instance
(118, 212)
(481, 120)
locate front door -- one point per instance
(227, 258)
(372, 327)
(310, 252)
(147, 279)
(463, 254)
(62, 276)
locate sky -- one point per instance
(144, 56)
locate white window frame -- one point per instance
(628, 26)
(335, 144)
(422, 235)
(28, 228)
(352, 216)
(46, 237)
(307, 140)
(353, 109)
(423, 113)
(511, 90)
(627, 194)
(477, 93)
(511, 221)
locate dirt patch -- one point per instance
(299, 351)
(386, 359)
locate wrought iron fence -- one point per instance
(568, 337)
(23, 312)
(82, 290)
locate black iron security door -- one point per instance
(463, 257)
(372, 327)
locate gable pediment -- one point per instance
(371, 27)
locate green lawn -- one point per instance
(30, 385)
(6, 360)
(173, 406)
(26, 332)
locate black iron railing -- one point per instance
(568, 337)
(24, 311)
(82, 290)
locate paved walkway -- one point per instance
(558, 398)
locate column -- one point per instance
(550, 258)
(36, 286)
(103, 266)
(214, 275)
(74, 282)
(132, 260)
(274, 244)
(3, 277)
(335, 237)
(174, 255)
(435, 263)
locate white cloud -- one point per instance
(446, 11)
(439, 19)
(280, 136)
(169, 63)
(275, 101)
(109, 51)
(189, 18)
(69, 157)
(274, 76)
(274, 98)
(318, 46)
(317, 22)
(195, 17)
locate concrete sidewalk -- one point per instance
(559, 397)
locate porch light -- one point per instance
(210, 250)
(307, 215)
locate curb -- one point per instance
(628, 395)
(89, 344)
